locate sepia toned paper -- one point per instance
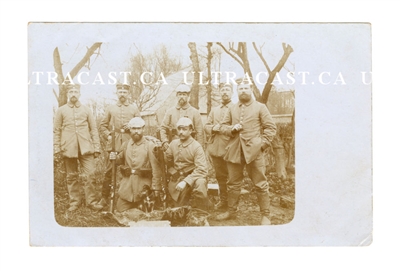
(328, 72)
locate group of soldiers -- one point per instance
(237, 134)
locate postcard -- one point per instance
(200, 134)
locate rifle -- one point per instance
(163, 165)
(114, 171)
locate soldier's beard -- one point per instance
(182, 102)
(122, 99)
(225, 99)
(73, 99)
(136, 137)
(244, 98)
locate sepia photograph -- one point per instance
(150, 125)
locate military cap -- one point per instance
(73, 86)
(136, 122)
(184, 122)
(222, 85)
(243, 80)
(123, 86)
(182, 88)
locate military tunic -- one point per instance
(76, 138)
(216, 147)
(138, 156)
(118, 114)
(173, 115)
(75, 131)
(183, 155)
(245, 149)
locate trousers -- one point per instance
(256, 171)
(87, 166)
(221, 174)
(195, 196)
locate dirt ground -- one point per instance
(282, 211)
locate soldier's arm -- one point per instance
(267, 125)
(198, 126)
(210, 123)
(120, 154)
(94, 134)
(104, 124)
(165, 126)
(169, 158)
(226, 123)
(58, 122)
(200, 170)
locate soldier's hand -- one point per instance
(109, 139)
(216, 128)
(264, 145)
(165, 146)
(113, 155)
(180, 186)
(237, 127)
(96, 154)
(125, 126)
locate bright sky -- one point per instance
(117, 48)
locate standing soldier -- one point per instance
(218, 142)
(189, 170)
(118, 115)
(251, 129)
(140, 166)
(183, 109)
(76, 138)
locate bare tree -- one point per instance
(209, 86)
(287, 50)
(154, 66)
(62, 82)
(194, 93)
(240, 55)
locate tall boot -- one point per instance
(263, 202)
(233, 201)
(222, 205)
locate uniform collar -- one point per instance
(125, 103)
(183, 107)
(246, 104)
(187, 142)
(77, 104)
(140, 142)
(225, 105)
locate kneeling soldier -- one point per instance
(140, 167)
(188, 173)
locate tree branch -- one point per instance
(259, 53)
(87, 56)
(229, 53)
(58, 66)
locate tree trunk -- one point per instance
(247, 69)
(194, 93)
(62, 85)
(209, 86)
